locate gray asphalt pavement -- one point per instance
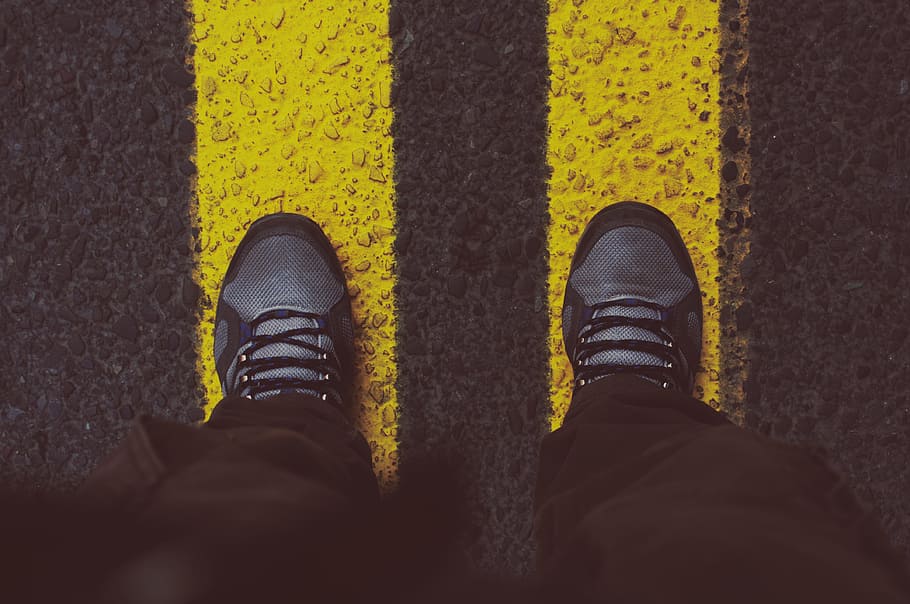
(96, 247)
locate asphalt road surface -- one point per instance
(97, 243)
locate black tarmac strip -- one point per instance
(96, 262)
(470, 138)
(96, 245)
(827, 280)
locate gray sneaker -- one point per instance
(632, 304)
(283, 322)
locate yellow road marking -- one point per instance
(293, 114)
(634, 116)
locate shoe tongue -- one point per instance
(279, 326)
(626, 332)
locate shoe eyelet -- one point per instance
(242, 359)
(670, 365)
(244, 379)
(581, 382)
(248, 397)
(324, 396)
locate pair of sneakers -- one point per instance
(283, 322)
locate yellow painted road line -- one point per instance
(293, 115)
(634, 116)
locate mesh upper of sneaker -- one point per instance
(628, 263)
(281, 272)
(631, 262)
(626, 332)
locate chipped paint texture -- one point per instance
(293, 115)
(634, 116)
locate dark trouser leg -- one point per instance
(288, 455)
(266, 494)
(647, 495)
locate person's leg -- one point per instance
(647, 495)
(278, 476)
(284, 353)
(265, 493)
(253, 465)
